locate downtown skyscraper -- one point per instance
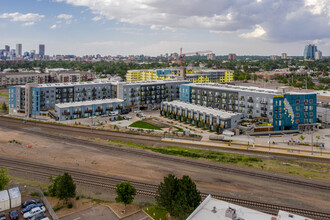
(309, 52)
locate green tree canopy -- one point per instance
(179, 196)
(62, 187)
(125, 193)
(4, 106)
(4, 179)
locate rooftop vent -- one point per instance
(214, 210)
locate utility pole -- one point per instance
(268, 138)
(312, 141)
(306, 81)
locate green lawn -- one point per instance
(4, 95)
(160, 213)
(145, 125)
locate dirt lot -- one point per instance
(3, 99)
(61, 153)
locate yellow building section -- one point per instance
(140, 75)
(229, 76)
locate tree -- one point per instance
(4, 179)
(178, 196)
(62, 187)
(65, 188)
(125, 193)
(4, 106)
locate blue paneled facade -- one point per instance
(185, 93)
(290, 110)
(12, 96)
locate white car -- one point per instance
(34, 212)
(137, 111)
(114, 113)
(45, 218)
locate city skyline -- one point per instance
(155, 27)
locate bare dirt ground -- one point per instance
(127, 165)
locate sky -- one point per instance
(153, 27)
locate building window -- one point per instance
(297, 101)
(310, 108)
(297, 121)
(311, 121)
(311, 114)
(297, 108)
(311, 101)
(297, 115)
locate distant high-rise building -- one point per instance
(211, 56)
(41, 50)
(19, 50)
(231, 56)
(284, 56)
(309, 52)
(7, 48)
(318, 55)
(274, 57)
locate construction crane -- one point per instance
(182, 55)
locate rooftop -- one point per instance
(153, 82)
(93, 102)
(215, 112)
(67, 84)
(214, 209)
(235, 88)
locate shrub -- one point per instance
(69, 205)
(35, 194)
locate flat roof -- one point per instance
(153, 82)
(74, 84)
(93, 102)
(215, 112)
(205, 211)
(235, 88)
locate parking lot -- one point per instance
(19, 209)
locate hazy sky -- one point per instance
(153, 27)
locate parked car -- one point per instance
(137, 111)
(2, 216)
(31, 206)
(39, 216)
(28, 208)
(45, 218)
(34, 212)
(125, 111)
(128, 117)
(141, 115)
(28, 202)
(99, 121)
(113, 113)
(112, 119)
(13, 214)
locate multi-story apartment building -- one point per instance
(201, 116)
(38, 99)
(283, 109)
(75, 110)
(21, 78)
(149, 94)
(195, 75)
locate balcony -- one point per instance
(263, 115)
(242, 105)
(250, 100)
(263, 109)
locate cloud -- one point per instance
(66, 17)
(257, 33)
(53, 26)
(97, 18)
(281, 20)
(28, 19)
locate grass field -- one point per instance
(4, 95)
(145, 125)
(156, 212)
(313, 170)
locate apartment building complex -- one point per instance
(284, 110)
(149, 94)
(75, 110)
(195, 75)
(201, 116)
(21, 78)
(38, 99)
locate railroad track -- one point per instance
(116, 135)
(217, 167)
(143, 188)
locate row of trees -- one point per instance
(178, 196)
